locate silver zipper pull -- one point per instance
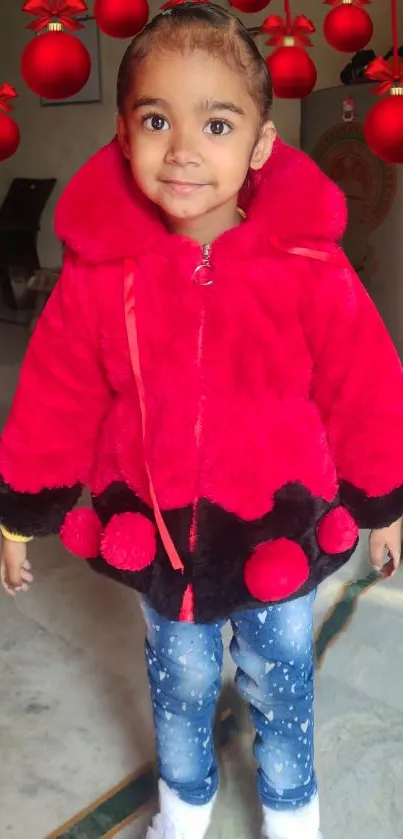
(203, 274)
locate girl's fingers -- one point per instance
(26, 576)
(377, 553)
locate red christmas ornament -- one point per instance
(121, 18)
(383, 127)
(9, 131)
(55, 65)
(249, 7)
(276, 570)
(348, 27)
(293, 72)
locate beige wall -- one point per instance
(56, 141)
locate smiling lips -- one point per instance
(183, 187)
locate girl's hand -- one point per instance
(387, 540)
(15, 568)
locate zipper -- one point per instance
(202, 276)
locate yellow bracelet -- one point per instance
(14, 537)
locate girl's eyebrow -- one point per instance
(218, 105)
(149, 102)
(210, 105)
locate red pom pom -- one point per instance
(383, 129)
(337, 532)
(81, 533)
(121, 18)
(348, 28)
(56, 65)
(293, 72)
(9, 137)
(129, 542)
(276, 570)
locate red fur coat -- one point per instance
(273, 394)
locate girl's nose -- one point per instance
(183, 150)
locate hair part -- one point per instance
(200, 26)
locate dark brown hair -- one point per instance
(201, 26)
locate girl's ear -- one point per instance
(264, 146)
(123, 136)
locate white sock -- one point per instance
(190, 821)
(300, 823)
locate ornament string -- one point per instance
(7, 93)
(288, 16)
(50, 11)
(395, 41)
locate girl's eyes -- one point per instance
(155, 122)
(218, 127)
(158, 123)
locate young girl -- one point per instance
(210, 367)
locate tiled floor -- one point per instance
(75, 716)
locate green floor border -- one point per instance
(123, 804)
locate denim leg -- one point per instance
(184, 663)
(273, 650)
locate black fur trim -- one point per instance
(36, 514)
(372, 513)
(224, 543)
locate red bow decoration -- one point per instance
(49, 11)
(172, 3)
(300, 29)
(7, 92)
(383, 72)
(336, 2)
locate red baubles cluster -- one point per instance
(348, 27)
(293, 72)
(56, 64)
(383, 127)
(9, 131)
(121, 18)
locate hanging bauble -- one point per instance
(121, 18)
(9, 131)
(249, 7)
(383, 126)
(293, 72)
(56, 64)
(348, 27)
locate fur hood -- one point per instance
(86, 224)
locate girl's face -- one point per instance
(191, 132)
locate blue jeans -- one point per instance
(273, 650)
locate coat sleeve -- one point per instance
(358, 387)
(49, 442)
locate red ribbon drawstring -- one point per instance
(383, 72)
(7, 92)
(301, 28)
(49, 11)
